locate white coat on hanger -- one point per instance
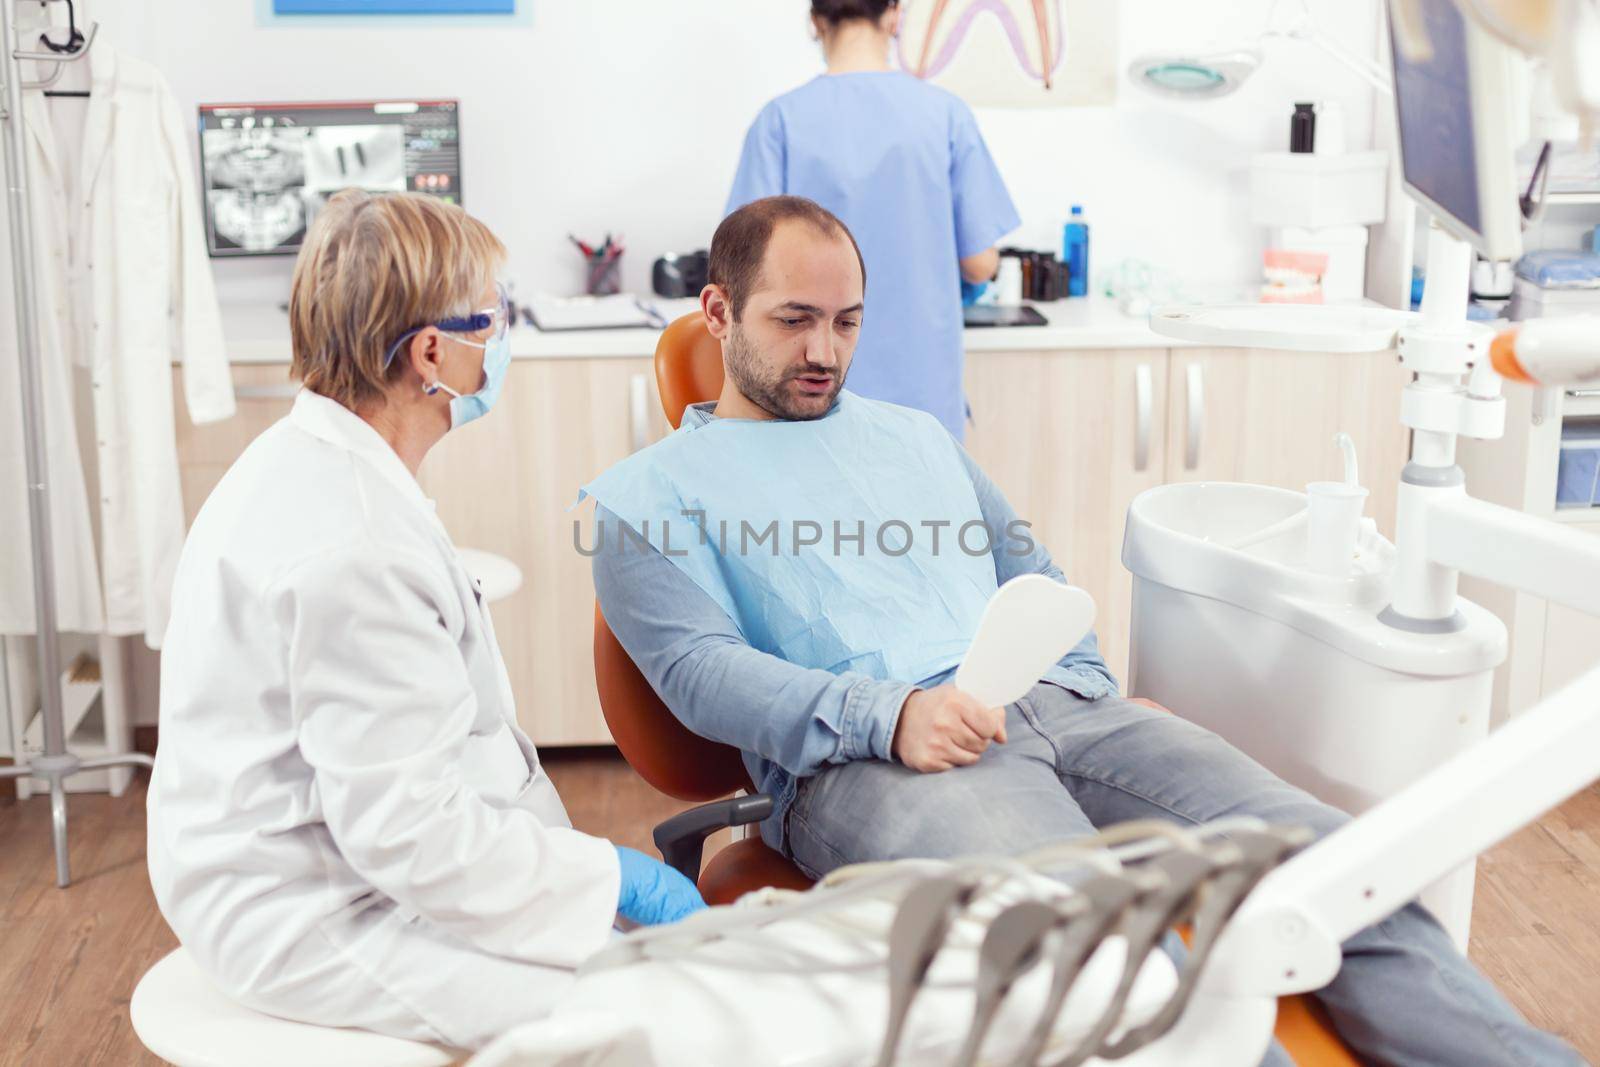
(146, 298)
(154, 301)
(77, 574)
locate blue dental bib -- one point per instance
(853, 542)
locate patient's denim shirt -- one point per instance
(789, 721)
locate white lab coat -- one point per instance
(76, 570)
(346, 825)
(125, 287)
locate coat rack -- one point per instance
(56, 764)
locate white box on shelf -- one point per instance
(1315, 192)
(1529, 301)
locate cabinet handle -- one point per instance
(638, 412)
(1196, 390)
(266, 392)
(1579, 394)
(1143, 399)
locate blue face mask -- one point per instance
(496, 358)
(496, 361)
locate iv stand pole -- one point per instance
(56, 765)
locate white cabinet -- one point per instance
(263, 394)
(1571, 646)
(1571, 638)
(1071, 438)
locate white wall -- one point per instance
(1166, 181)
(627, 115)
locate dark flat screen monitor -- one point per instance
(1454, 90)
(266, 169)
(1433, 96)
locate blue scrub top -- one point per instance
(903, 164)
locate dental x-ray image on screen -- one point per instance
(268, 168)
(366, 157)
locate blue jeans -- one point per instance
(1404, 995)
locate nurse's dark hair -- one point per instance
(740, 243)
(834, 12)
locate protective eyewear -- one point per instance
(498, 316)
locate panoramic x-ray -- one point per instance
(255, 182)
(265, 183)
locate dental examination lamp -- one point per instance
(1454, 93)
(1219, 71)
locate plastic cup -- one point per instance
(1333, 526)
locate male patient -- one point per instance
(797, 571)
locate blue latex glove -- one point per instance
(653, 893)
(971, 292)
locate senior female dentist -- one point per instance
(902, 163)
(346, 825)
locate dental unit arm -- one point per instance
(1286, 937)
(1550, 352)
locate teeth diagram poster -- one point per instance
(1013, 53)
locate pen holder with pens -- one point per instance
(602, 273)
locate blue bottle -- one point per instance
(1075, 253)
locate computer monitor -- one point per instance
(266, 169)
(1453, 104)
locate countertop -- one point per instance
(259, 333)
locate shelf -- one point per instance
(1296, 327)
(1571, 199)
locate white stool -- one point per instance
(498, 575)
(183, 1018)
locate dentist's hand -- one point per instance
(653, 893)
(943, 727)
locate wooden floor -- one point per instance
(70, 958)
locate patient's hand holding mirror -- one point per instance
(1029, 624)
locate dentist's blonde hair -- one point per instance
(373, 266)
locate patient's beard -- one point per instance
(771, 393)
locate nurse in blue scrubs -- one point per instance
(903, 164)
